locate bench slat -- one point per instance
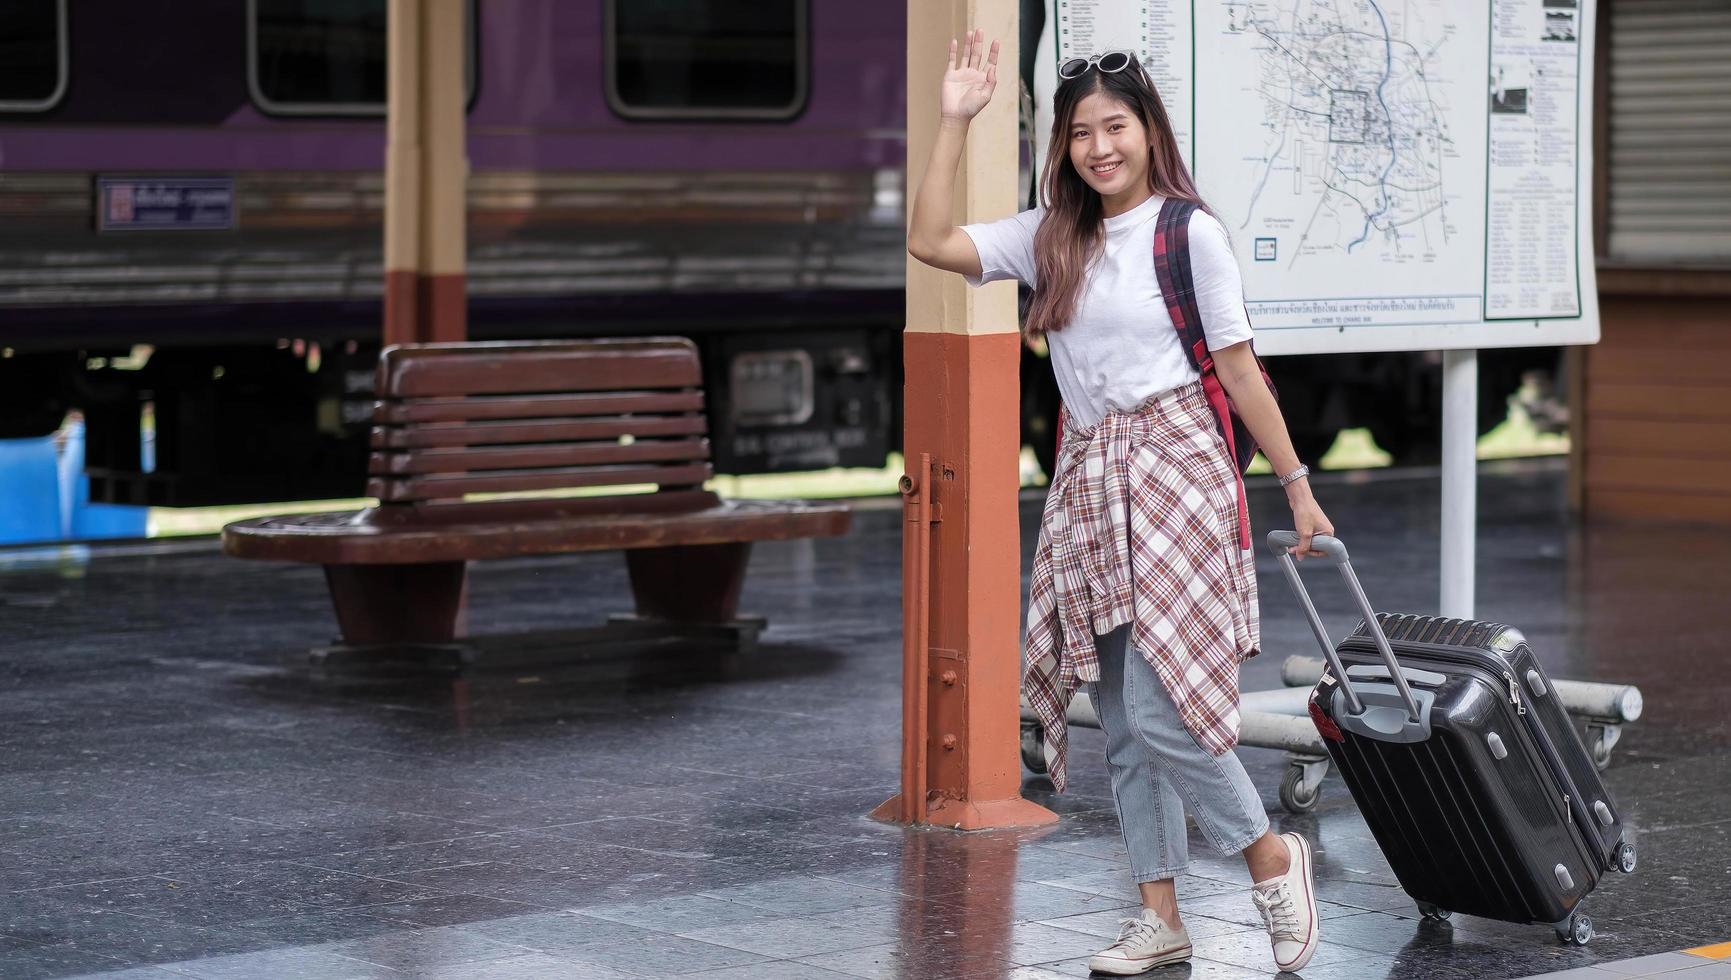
(555, 366)
(527, 458)
(395, 489)
(441, 434)
(478, 408)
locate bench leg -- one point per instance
(695, 584)
(384, 605)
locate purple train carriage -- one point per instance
(191, 195)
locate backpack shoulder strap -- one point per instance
(1177, 282)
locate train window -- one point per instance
(32, 54)
(707, 59)
(326, 57)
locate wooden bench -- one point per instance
(530, 420)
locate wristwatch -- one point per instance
(1295, 475)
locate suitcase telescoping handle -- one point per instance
(1334, 551)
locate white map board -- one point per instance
(1395, 174)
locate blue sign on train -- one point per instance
(164, 203)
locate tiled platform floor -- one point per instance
(181, 796)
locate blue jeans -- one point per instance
(1158, 769)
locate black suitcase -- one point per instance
(1465, 765)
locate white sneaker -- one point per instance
(1288, 907)
(1144, 943)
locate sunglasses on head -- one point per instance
(1109, 62)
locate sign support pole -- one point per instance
(1459, 480)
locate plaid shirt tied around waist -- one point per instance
(1141, 526)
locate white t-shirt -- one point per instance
(1121, 347)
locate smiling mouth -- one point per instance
(1106, 170)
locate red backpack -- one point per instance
(1178, 286)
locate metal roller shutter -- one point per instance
(1670, 132)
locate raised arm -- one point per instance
(967, 87)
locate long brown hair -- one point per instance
(1072, 233)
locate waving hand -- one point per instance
(971, 79)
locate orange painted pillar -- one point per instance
(962, 556)
(425, 172)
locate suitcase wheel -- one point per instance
(1433, 913)
(1033, 747)
(1579, 931)
(1626, 858)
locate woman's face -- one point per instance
(1109, 146)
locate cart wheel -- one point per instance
(1579, 931)
(1293, 795)
(1626, 858)
(1432, 912)
(1034, 747)
(1601, 754)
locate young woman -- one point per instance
(1144, 585)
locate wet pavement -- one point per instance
(183, 796)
